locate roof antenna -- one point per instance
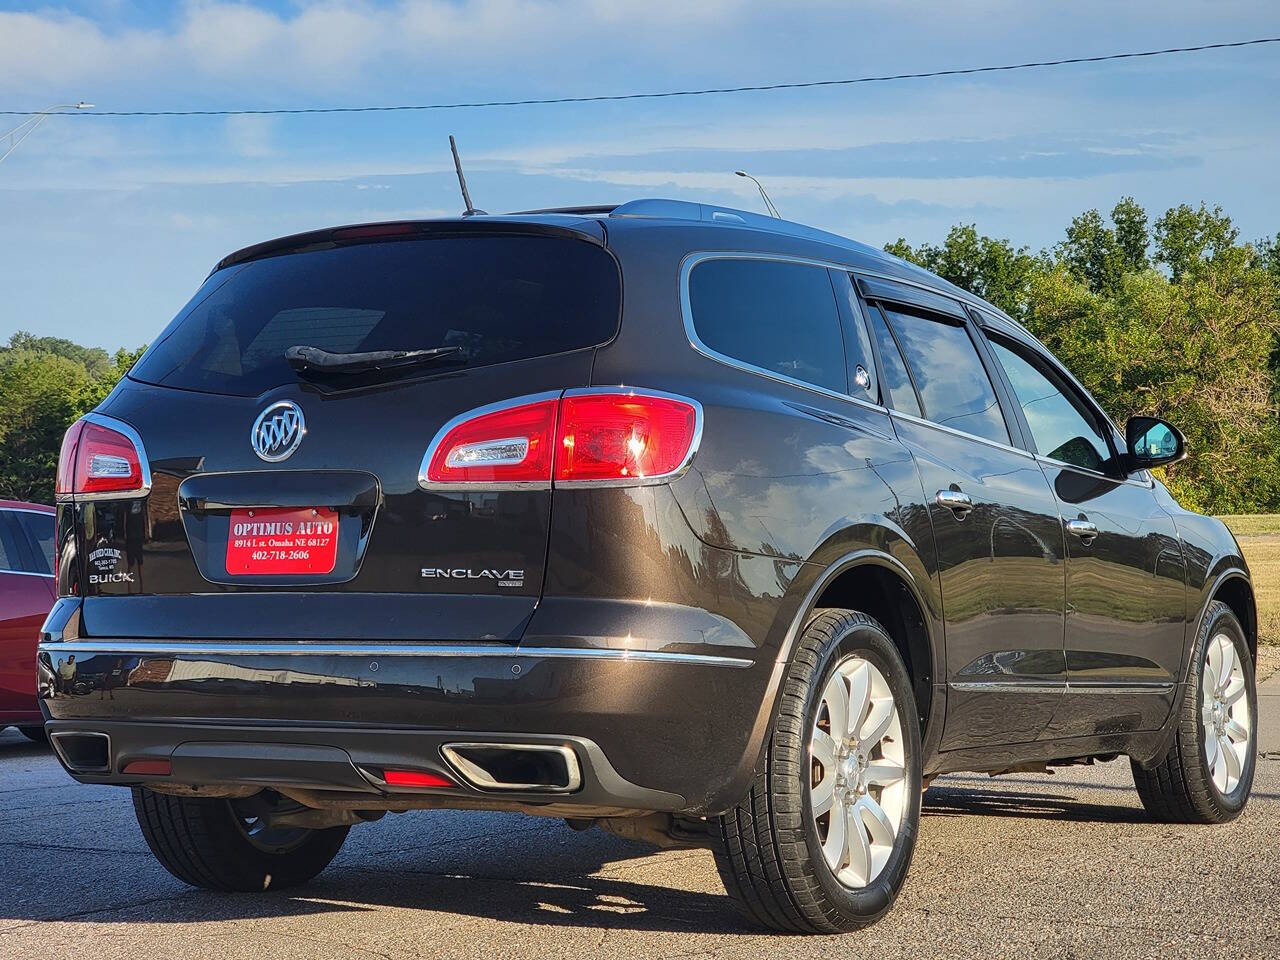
(462, 181)
(768, 204)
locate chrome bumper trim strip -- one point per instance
(327, 649)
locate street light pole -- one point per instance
(768, 204)
(18, 133)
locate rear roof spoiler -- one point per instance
(533, 224)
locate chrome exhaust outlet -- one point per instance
(82, 751)
(526, 767)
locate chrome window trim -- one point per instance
(911, 418)
(111, 423)
(477, 486)
(1147, 483)
(28, 573)
(151, 648)
(691, 334)
(656, 478)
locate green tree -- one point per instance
(1194, 352)
(1187, 238)
(1197, 341)
(993, 269)
(45, 384)
(1101, 255)
(95, 360)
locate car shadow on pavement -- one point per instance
(19, 746)
(968, 801)
(537, 878)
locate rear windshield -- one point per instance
(497, 298)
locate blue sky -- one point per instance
(107, 226)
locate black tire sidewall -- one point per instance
(872, 643)
(1222, 620)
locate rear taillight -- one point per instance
(67, 460)
(102, 457)
(506, 445)
(622, 438)
(584, 438)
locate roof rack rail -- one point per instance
(658, 209)
(586, 210)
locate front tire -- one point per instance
(225, 845)
(823, 840)
(1207, 774)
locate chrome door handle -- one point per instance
(959, 503)
(1084, 529)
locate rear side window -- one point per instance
(895, 382)
(781, 317)
(16, 553)
(954, 387)
(498, 298)
(39, 528)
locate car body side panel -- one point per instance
(1126, 596)
(1212, 557)
(753, 526)
(24, 601)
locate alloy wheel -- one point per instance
(857, 775)
(1224, 713)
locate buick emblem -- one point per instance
(278, 431)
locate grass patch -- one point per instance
(1259, 536)
(1253, 524)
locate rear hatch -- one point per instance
(323, 531)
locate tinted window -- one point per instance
(895, 381)
(861, 361)
(15, 554)
(39, 528)
(954, 387)
(498, 298)
(781, 317)
(1060, 430)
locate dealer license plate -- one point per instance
(271, 541)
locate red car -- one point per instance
(27, 591)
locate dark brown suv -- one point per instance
(699, 526)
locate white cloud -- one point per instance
(250, 136)
(440, 47)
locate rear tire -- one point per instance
(34, 734)
(217, 845)
(769, 849)
(1207, 773)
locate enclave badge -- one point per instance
(278, 431)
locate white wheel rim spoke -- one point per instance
(857, 772)
(1226, 722)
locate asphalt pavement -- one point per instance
(1019, 866)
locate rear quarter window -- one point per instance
(498, 298)
(775, 315)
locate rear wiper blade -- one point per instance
(314, 360)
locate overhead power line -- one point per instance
(658, 95)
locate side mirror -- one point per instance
(1152, 442)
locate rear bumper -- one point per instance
(650, 730)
